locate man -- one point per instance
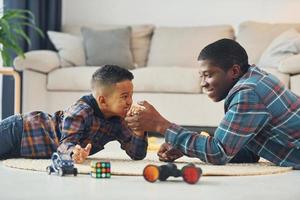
(261, 115)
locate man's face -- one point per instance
(119, 101)
(215, 81)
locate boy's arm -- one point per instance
(135, 144)
(73, 126)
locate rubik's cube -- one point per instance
(100, 169)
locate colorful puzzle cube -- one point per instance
(100, 169)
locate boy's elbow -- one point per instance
(137, 156)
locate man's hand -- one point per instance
(167, 153)
(135, 110)
(80, 154)
(147, 119)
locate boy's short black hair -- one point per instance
(110, 74)
(224, 53)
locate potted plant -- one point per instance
(12, 24)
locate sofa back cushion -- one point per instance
(255, 37)
(167, 80)
(139, 43)
(147, 79)
(108, 47)
(70, 79)
(180, 46)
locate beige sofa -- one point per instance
(166, 74)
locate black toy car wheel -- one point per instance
(60, 172)
(75, 172)
(48, 170)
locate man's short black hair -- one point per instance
(110, 74)
(224, 53)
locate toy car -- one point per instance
(61, 164)
(190, 173)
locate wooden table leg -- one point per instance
(11, 72)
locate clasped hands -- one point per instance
(144, 117)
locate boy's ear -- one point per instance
(102, 100)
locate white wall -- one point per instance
(179, 12)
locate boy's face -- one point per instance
(119, 100)
(215, 81)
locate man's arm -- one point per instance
(246, 116)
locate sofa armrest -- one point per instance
(40, 60)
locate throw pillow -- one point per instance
(285, 45)
(69, 47)
(290, 65)
(140, 43)
(255, 37)
(108, 47)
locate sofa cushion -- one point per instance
(70, 48)
(255, 37)
(295, 84)
(180, 46)
(284, 78)
(155, 79)
(70, 78)
(285, 45)
(167, 79)
(140, 39)
(108, 47)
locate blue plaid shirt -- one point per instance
(80, 124)
(261, 114)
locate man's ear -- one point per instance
(236, 71)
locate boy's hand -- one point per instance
(135, 110)
(80, 154)
(167, 153)
(148, 119)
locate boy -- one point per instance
(82, 129)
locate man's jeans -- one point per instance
(245, 156)
(11, 130)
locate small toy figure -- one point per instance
(100, 169)
(61, 164)
(190, 173)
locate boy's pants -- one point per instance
(11, 130)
